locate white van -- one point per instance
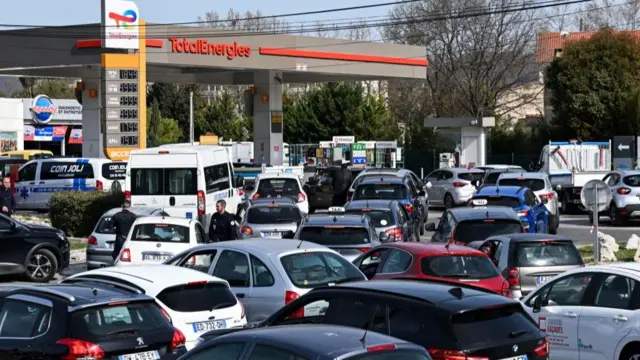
(39, 179)
(185, 180)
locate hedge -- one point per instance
(76, 212)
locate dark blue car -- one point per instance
(532, 212)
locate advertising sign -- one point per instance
(45, 133)
(120, 24)
(359, 154)
(386, 144)
(42, 109)
(76, 136)
(344, 139)
(121, 108)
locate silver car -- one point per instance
(539, 183)
(266, 275)
(625, 196)
(275, 218)
(100, 242)
(453, 186)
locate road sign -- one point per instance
(595, 195)
(623, 147)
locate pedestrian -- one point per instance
(7, 201)
(223, 225)
(341, 183)
(122, 223)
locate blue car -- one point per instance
(534, 216)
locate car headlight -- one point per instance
(61, 236)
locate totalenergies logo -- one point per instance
(127, 18)
(42, 109)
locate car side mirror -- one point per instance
(384, 237)
(429, 185)
(239, 181)
(558, 187)
(250, 187)
(537, 304)
(431, 227)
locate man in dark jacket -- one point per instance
(122, 222)
(223, 225)
(7, 201)
(341, 183)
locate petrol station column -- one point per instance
(268, 119)
(91, 115)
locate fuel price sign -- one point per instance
(121, 108)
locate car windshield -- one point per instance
(210, 295)
(380, 191)
(533, 184)
(379, 218)
(458, 266)
(335, 235)
(312, 269)
(491, 179)
(105, 226)
(472, 176)
(632, 180)
(476, 230)
(546, 253)
(161, 233)
(274, 214)
(496, 201)
(278, 187)
(391, 355)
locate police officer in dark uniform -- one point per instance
(341, 182)
(223, 225)
(7, 201)
(122, 222)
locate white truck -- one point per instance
(571, 164)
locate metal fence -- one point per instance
(300, 153)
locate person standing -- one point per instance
(122, 222)
(223, 225)
(7, 201)
(341, 182)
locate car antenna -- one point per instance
(94, 291)
(299, 244)
(373, 317)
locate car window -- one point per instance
(533, 184)
(546, 253)
(228, 351)
(434, 176)
(171, 181)
(201, 238)
(209, 294)
(278, 187)
(361, 313)
(445, 175)
(615, 292)
(567, 291)
(274, 214)
(318, 268)
(335, 235)
(475, 176)
(458, 267)
(233, 266)
(477, 230)
(379, 218)
(632, 180)
(200, 261)
(402, 215)
(380, 191)
(216, 178)
(391, 355)
(53, 170)
(5, 224)
(508, 201)
(445, 228)
(28, 172)
(420, 327)
(170, 233)
(262, 276)
(491, 178)
(24, 319)
(369, 263)
(264, 352)
(398, 261)
(105, 226)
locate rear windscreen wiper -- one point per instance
(221, 305)
(518, 333)
(123, 331)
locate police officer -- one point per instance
(122, 222)
(7, 201)
(223, 225)
(341, 182)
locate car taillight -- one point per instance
(459, 184)
(395, 234)
(364, 250)
(623, 191)
(255, 196)
(125, 255)
(441, 354)
(80, 349)
(246, 230)
(382, 347)
(513, 277)
(409, 208)
(127, 195)
(505, 289)
(202, 204)
(289, 296)
(301, 197)
(542, 349)
(523, 213)
(92, 240)
(548, 196)
(99, 185)
(166, 314)
(178, 340)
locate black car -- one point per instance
(388, 216)
(312, 341)
(84, 322)
(491, 175)
(450, 321)
(274, 217)
(319, 187)
(37, 251)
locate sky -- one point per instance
(44, 12)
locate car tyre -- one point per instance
(416, 234)
(448, 201)
(312, 210)
(41, 266)
(616, 219)
(553, 229)
(632, 352)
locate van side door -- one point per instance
(234, 198)
(24, 187)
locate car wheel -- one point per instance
(41, 266)
(312, 210)
(554, 224)
(422, 226)
(616, 219)
(632, 352)
(448, 201)
(416, 233)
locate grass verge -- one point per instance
(78, 246)
(623, 255)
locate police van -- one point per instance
(39, 179)
(185, 180)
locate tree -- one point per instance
(173, 101)
(170, 132)
(222, 118)
(54, 88)
(153, 125)
(594, 85)
(249, 21)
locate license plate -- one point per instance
(147, 355)
(209, 325)
(273, 234)
(521, 357)
(109, 245)
(542, 279)
(155, 257)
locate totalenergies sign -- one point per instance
(204, 47)
(120, 20)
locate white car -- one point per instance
(590, 312)
(193, 301)
(155, 239)
(278, 185)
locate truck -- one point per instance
(570, 165)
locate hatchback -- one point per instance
(532, 212)
(387, 216)
(275, 218)
(279, 185)
(266, 274)
(625, 200)
(467, 224)
(101, 240)
(451, 187)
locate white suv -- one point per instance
(193, 301)
(279, 185)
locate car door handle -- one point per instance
(32, 183)
(571, 315)
(240, 295)
(620, 318)
(41, 182)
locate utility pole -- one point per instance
(191, 133)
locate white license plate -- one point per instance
(147, 355)
(273, 234)
(155, 257)
(520, 357)
(109, 245)
(209, 325)
(543, 279)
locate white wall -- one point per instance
(12, 118)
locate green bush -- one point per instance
(76, 213)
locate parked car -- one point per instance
(319, 187)
(450, 321)
(530, 260)
(279, 185)
(194, 301)
(452, 263)
(266, 274)
(276, 218)
(388, 217)
(38, 252)
(101, 240)
(491, 176)
(68, 321)
(451, 187)
(625, 199)
(468, 224)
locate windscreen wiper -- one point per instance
(518, 333)
(221, 305)
(123, 331)
(347, 279)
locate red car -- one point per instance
(453, 263)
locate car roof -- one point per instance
(170, 220)
(266, 246)
(628, 172)
(523, 174)
(383, 179)
(270, 201)
(427, 249)
(335, 219)
(527, 237)
(78, 294)
(330, 340)
(451, 297)
(152, 278)
(490, 212)
(514, 191)
(457, 170)
(370, 204)
(140, 211)
(276, 175)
